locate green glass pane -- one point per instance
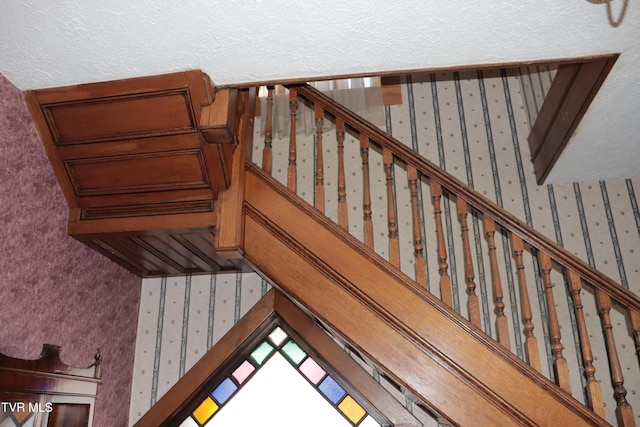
(261, 352)
(294, 352)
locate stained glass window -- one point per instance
(279, 383)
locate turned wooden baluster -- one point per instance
(473, 305)
(635, 324)
(418, 247)
(531, 343)
(445, 280)
(268, 133)
(624, 412)
(501, 320)
(560, 366)
(366, 193)
(291, 170)
(343, 212)
(392, 222)
(594, 394)
(319, 191)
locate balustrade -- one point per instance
(531, 343)
(292, 172)
(473, 304)
(382, 158)
(319, 181)
(366, 193)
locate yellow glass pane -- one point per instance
(352, 409)
(206, 409)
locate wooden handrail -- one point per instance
(476, 200)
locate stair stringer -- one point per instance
(438, 356)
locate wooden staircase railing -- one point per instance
(551, 262)
(437, 360)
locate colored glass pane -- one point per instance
(243, 371)
(251, 386)
(189, 422)
(261, 352)
(277, 395)
(206, 409)
(224, 391)
(332, 390)
(312, 370)
(294, 352)
(352, 409)
(369, 422)
(278, 336)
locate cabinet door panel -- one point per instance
(69, 415)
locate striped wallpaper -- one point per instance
(474, 125)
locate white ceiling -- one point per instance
(55, 43)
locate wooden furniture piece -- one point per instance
(141, 162)
(46, 391)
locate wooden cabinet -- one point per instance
(141, 163)
(46, 392)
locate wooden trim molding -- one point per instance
(427, 348)
(574, 87)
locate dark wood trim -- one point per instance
(144, 157)
(427, 347)
(572, 91)
(230, 227)
(412, 71)
(49, 364)
(360, 383)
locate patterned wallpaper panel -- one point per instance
(180, 319)
(535, 81)
(53, 289)
(474, 125)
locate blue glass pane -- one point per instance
(332, 390)
(224, 391)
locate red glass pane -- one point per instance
(243, 371)
(312, 370)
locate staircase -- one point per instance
(466, 354)
(442, 359)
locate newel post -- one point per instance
(229, 225)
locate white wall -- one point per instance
(44, 44)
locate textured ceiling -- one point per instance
(46, 44)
